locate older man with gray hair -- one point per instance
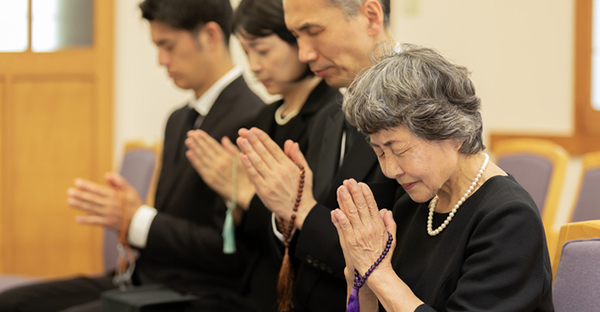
(334, 38)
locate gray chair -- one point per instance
(540, 167)
(140, 166)
(587, 202)
(577, 282)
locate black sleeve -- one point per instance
(319, 241)
(424, 308)
(180, 241)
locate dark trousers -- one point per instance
(80, 294)
(83, 295)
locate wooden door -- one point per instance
(55, 125)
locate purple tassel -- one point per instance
(353, 304)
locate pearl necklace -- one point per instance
(434, 201)
(284, 120)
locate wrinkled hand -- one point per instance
(275, 174)
(362, 228)
(213, 163)
(103, 203)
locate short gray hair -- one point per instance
(417, 88)
(350, 8)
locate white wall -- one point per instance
(144, 94)
(520, 54)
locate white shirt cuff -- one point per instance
(276, 231)
(140, 226)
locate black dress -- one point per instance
(491, 257)
(256, 230)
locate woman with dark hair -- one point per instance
(465, 236)
(272, 54)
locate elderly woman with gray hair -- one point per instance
(465, 236)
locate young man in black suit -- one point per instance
(176, 238)
(334, 37)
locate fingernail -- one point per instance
(249, 135)
(343, 190)
(364, 187)
(352, 183)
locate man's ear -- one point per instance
(373, 11)
(210, 36)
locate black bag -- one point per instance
(147, 298)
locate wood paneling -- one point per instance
(577, 144)
(49, 63)
(55, 126)
(2, 130)
(51, 137)
(104, 80)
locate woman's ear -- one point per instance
(458, 144)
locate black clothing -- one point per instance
(315, 251)
(256, 226)
(190, 216)
(492, 256)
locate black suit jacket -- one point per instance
(320, 284)
(256, 225)
(184, 246)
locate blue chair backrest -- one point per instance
(577, 283)
(533, 172)
(138, 169)
(588, 200)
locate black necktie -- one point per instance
(351, 134)
(193, 122)
(198, 121)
